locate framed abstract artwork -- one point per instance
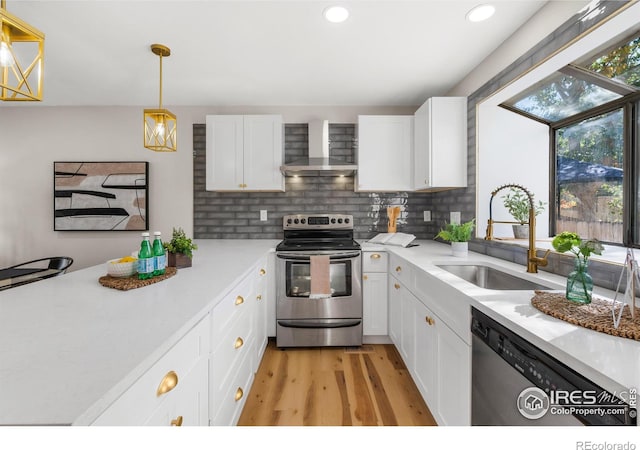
(101, 196)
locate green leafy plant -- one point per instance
(571, 242)
(517, 203)
(180, 243)
(454, 232)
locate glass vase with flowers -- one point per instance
(579, 282)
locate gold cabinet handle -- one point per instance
(259, 297)
(177, 422)
(239, 343)
(239, 300)
(262, 272)
(239, 394)
(375, 256)
(430, 320)
(241, 185)
(397, 286)
(365, 277)
(398, 269)
(169, 381)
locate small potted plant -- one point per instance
(180, 249)
(459, 234)
(579, 282)
(517, 203)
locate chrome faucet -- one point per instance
(533, 261)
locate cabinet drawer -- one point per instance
(226, 359)
(237, 302)
(375, 262)
(189, 405)
(226, 410)
(401, 270)
(137, 404)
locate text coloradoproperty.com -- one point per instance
(588, 411)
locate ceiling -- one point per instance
(238, 52)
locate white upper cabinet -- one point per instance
(440, 145)
(244, 153)
(385, 153)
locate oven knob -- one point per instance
(333, 220)
(346, 220)
(303, 220)
(339, 220)
(289, 221)
(296, 221)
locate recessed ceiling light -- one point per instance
(480, 13)
(336, 14)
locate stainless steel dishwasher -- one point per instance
(516, 383)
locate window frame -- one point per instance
(631, 165)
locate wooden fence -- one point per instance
(603, 231)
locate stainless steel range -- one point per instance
(319, 287)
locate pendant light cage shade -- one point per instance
(160, 125)
(160, 130)
(21, 59)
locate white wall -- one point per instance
(512, 149)
(33, 137)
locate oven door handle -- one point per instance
(318, 324)
(296, 256)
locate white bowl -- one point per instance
(121, 270)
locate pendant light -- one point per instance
(160, 125)
(21, 59)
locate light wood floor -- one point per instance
(333, 386)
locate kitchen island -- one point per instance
(71, 347)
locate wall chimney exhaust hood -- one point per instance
(319, 163)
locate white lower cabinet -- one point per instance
(374, 304)
(238, 340)
(205, 377)
(191, 406)
(374, 294)
(438, 359)
(443, 368)
(175, 386)
(395, 311)
(260, 316)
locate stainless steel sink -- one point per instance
(490, 278)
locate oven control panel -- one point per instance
(317, 222)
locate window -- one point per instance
(592, 109)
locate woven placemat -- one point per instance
(595, 316)
(132, 282)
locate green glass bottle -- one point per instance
(145, 259)
(160, 261)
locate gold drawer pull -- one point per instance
(365, 277)
(239, 343)
(169, 382)
(263, 272)
(397, 286)
(239, 394)
(239, 300)
(375, 256)
(259, 297)
(177, 422)
(398, 269)
(429, 320)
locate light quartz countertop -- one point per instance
(69, 346)
(610, 361)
